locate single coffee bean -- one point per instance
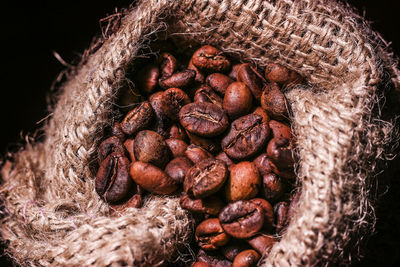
(128, 97)
(177, 147)
(206, 94)
(147, 78)
(205, 178)
(241, 219)
(210, 59)
(262, 243)
(210, 144)
(265, 166)
(280, 129)
(177, 169)
(138, 118)
(128, 144)
(162, 121)
(269, 218)
(134, 202)
(176, 131)
(211, 205)
(219, 82)
(200, 264)
(112, 180)
(247, 136)
(167, 63)
(204, 119)
(116, 130)
(283, 76)
(196, 153)
(243, 182)
(181, 79)
(150, 147)
(260, 111)
(210, 235)
(281, 216)
(173, 100)
(152, 178)
(246, 258)
(108, 146)
(280, 151)
(233, 248)
(224, 157)
(233, 73)
(249, 75)
(274, 102)
(273, 187)
(199, 75)
(237, 100)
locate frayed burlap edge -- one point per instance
(54, 216)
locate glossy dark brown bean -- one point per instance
(204, 119)
(205, 178)
(249, 75)
(152, 178)
(108, 146)
(173, 100)
(210, 235)
(196, 153)
(147, 78)
(177, 168)
(210, 59)
(199, 75)
(260, 111)
(281, 215)
(211, 205)
(246, 258)
(233, 248)
(167, 64)
(176, 131)
(177, 147)
(116, 130)
(280, 152)
(273, 187)
(233, 73)
(265, 166)
(150, 147)
(283, 76)
(128, 144)
(206, 94)
(224, 157)
(181, 79)
(135, 201)
(218, 82)
(210, 144)
(274, 102)
(280, 129)
(161, 122)
(262, 243)
(241, 219)
(247, 136)
(237, 100)
(243, 182)
(138, 118)
(269, 217)
(112, 179)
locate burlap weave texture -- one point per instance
(53, 216)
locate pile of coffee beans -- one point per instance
(217, 134)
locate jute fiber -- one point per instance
(53, 216)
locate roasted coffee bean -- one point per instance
(206, 94)
(280, 151)
(162, 121)
(280, 129)
(176, 131)
(177, 168)
(210, 59)
(196, 153)
(241, 219)
(147, 78)
(237, 100)
(167, 63)
(135, 201)
(247, 136)
(200, 264)
(177, 147)
(199, 75)
(138, 118)
(249, 75)
(128, 97)
(281, 215)
(112, 180)
(233, 73)
(116, 130)
(224, 157)
(273, 187)
(173, 100)
(283, 76)
(108, 146)
(150, 147)
(233, 248)
(205, 178)
(243, 182)
(181, 79)
(210, 235)
(152, 178)
(219, 82)
(128, 144)
(260, 111)
(269, 218)
(211, 205)
(204, 119)
(246, 258)
(210, 144)
(262, 243)
(274, 102)
(265, 166)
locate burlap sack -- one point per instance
(53, 216)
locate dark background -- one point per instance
(31, 31)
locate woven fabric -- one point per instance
(53, 216)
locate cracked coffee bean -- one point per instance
(181, 79)
(210, 59)
(206, 94)
(210, 235)
(167, 63)
(137, 119)
(211, 205)
(249, 75)
(108, 146)
(280, 151)
(173, 99)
